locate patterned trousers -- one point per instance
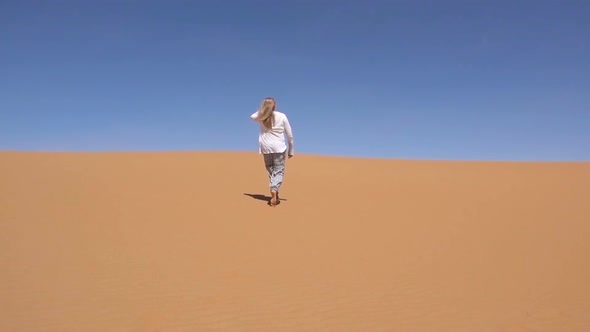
(275, 166)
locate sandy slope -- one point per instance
(169, 242)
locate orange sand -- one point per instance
(170, 242)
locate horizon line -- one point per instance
(307, 154)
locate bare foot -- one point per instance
(273, 199)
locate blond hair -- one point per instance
(265, 112)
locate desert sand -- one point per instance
(181, 241)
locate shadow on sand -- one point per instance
(265, 198)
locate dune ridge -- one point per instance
(184, 241)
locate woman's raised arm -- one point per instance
(254, 117)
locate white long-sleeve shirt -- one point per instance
(273, 140)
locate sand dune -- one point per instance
(182, 242)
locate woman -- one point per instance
(271, 140)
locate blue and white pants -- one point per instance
(275, 166)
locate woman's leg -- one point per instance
(269, 165)
(275, 166)
(278, 172)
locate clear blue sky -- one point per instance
(439, 79)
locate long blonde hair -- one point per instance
(265, 112)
